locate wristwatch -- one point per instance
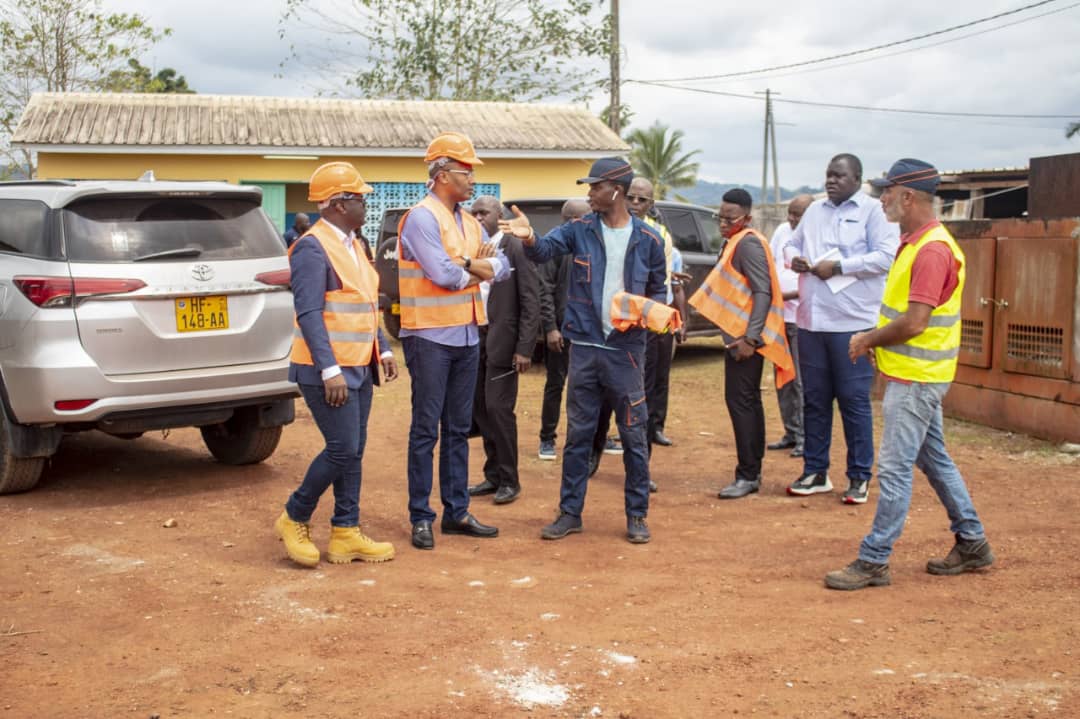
(468, 262)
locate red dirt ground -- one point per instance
(106, 613)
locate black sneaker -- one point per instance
(564, 525)
(856, 492)
(811, 483)
(859, 574)
(966, 556)
(637, 530)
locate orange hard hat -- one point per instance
(454, 145)
(334, 178)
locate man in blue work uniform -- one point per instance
(612, 251)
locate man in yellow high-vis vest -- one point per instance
(915, 346)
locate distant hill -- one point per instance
(709, 193)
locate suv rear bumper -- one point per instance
(33, 391)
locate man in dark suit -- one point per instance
(506, 347)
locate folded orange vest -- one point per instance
(725, 299)
(629, 310)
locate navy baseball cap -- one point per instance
(612, 169)
(909, 172)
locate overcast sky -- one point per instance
(1031, 67)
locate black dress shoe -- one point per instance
(661, 439)
(785, 443)
(507, 494)
(422, 536)
(739, 488)
(468, 526)
(485, 487)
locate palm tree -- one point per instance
(657, 156)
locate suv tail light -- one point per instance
(278, 278)
(68, 291)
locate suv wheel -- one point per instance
(17, 474)
(241, 440)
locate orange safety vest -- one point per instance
(725, 299)
(629, 310)
(425, 304)
(351, 314)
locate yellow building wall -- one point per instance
(518, 178)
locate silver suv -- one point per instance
(135, 306)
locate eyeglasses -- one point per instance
(467, 173)
(638, 198)
(729, 220)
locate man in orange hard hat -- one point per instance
(336, 353)
(443, 255)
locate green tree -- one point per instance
(658, 156)
(57, 46)
(489, 50)
(137, 78)
(1072, 130)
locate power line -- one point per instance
(857, 52)
(923, 47)
(834, 105)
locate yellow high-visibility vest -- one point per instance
(932, 355)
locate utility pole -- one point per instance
(770, 139)
(614, 119)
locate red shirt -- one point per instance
(935, 272)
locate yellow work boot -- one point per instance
(297, 538)
(349, 543)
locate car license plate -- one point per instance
(202, 314)
(395, 309)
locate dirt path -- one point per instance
(107, 613)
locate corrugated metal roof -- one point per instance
(157, 121)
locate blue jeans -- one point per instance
(828, 374)
(596, 374)
(913, 437)
(345, 430)
(443, 382)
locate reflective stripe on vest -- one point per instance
(350, 313)
(629, 310)
(932, 355)
(426, 305)
(725, 299)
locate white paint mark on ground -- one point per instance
(621, 658)
(106, 560)
(476, 583)
(532, 687)
(549, 616)
(882, 672)
(367, 582)
(523, 582)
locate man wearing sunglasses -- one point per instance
(444, 254)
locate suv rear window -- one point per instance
(122, 229)
(23, 228)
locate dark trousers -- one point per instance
(493, 413)
(828, 374)
(596, 374)
(657, 378)
(790, 396)
(556, 364)
(443, 382)
(344, 429)
(742, 394)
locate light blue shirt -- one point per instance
(676, 266)
(421, 241)
(867, 243)
(615, 241)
